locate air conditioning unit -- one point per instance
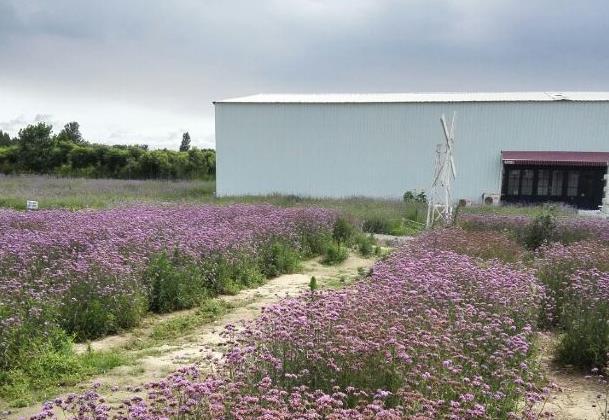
(491, 199)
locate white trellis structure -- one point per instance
(440, 202)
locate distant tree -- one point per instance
(71, 133)
(35, 143)
(5, 139)
(37, 150)
(185, 146)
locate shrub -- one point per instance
(175, 283)
(415, 214)
(585, 320)
(101, 306)
(334, 254)
(279, 258)
(343, 231)
(313, 284)
(313, 242)
(541, 230)
(391, 226)
(377, 225)
(365, 244)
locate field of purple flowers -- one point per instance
(568, 228)
(570, 257)
(442, 328)
(428, 334)
(95, 272)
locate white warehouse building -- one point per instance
(521, 146)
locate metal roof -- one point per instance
(421, 97)
(555, 158)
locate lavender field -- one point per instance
(446, 326)
(81, 275)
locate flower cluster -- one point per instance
(556, 263)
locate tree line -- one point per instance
(37, 150)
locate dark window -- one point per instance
(543, 181)
(526, 188)
(513, 182)
(572, 183)
(557, 183)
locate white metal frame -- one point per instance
(440, 201)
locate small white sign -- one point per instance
(31, 205)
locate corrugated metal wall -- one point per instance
(382, 150)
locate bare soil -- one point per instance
(575, 397)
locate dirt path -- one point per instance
(578, 397)
(198, 346)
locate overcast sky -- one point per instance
(145, 71)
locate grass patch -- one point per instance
(334, 254)
(393, 217)
(181, 325)
(531, 210)
(50, 372)
(77, 193)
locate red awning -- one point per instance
(555, 158)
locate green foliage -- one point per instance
(343, 231)
(278, 258)
(171, 328)
(334, 254)
(521, 210)
(378, 251)
(5, 139)
(378, 225)
(90, 312)
(392, 226)
(35, 148)
(313, 284)
(71, 133)
(413, 196)
(37, 151)
(175, 283)
(541, 230)
(78, 193)
(55, 365)
(584, 341)
(365, 244)
(313, 243)
(185, 145)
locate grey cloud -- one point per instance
(178, 56)
(13, 124)
(42, 118)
